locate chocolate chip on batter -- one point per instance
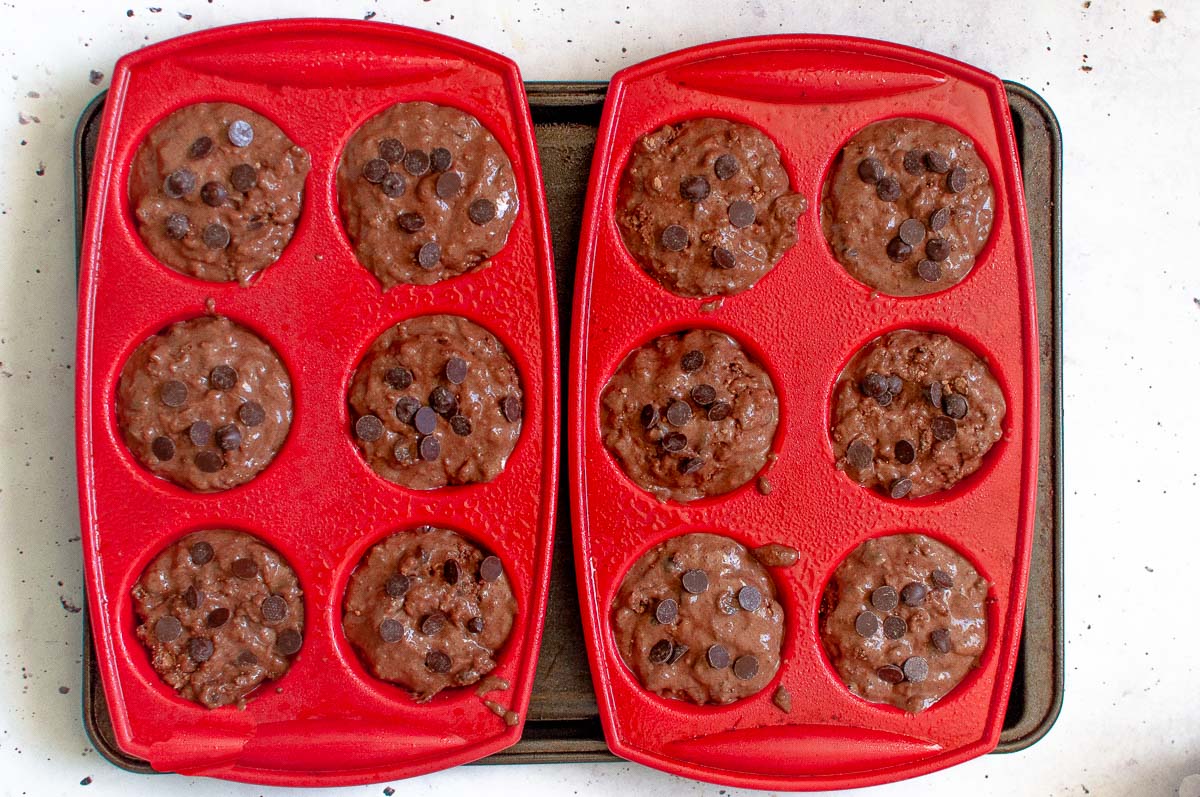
(244, 568)
(410, 222)
(200, 148)
(666, 611)
(433, 623)
(885, 598)
(726, 166)
(440, 159)
(941, 579)
(749, 598)
(215, 236)
(252, 413)
(396, 585)
(937, 249)
(916, 669)
(870, 170)
(511, 408)
(430, 448)
(943, 428)
(933, 394)
(288, 642)
(741, 213)
(888, 189)
(940, 639)
(929, 271)
(200, 649)
(939, 219)
(213, 194)
(390, 630)
(891, 674)
(193, 597)
(678, 413)
(407, 408)
(957, 181)
(460, 425)
(955, 406)
(937, 162)
(448, 185)
(217, 617)
(704, 395)
(694, 188)
(895, 385)
(481, 211)
(456, 370)
(900, 488)
(898, 251)
(913, 593)
(229, 437)
(894, 627)
(689, 465)
(201, 553)
(398, 378)
(374, 170)
(677, 653)
(718, 657)
(649, 416)
(437, 661)
(247, 659)
(866, 624)
(746, 667)
(241, 133)
(179, 183)
(416, 162)
(914, 161)
(660, 653)
(243, 177)
(905, 453)
(200, 433)
(674, 238)
(173, 393)
(368, 428)
(491, 568)
(222, 377)
(178, 226)
(722, 258)
(695, 581)
(168, 629)
(692, 361)
(391, 150)
(674, 442)
(912, 232)
(874, 385)
(428, 255)
(475, 625)
(860, 455)
(274, 608)
(163, 448)
(209, 461)
(719, 411)
(451, 571)
(394, 185)
(443, 402)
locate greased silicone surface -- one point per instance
(804, 321)
(319, 504)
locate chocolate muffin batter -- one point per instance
(908, 206)
(913, 413)
(220, 613)
(206, 403)
(428, 610)
(436, 401)
(426, 193)
(706, 208)
(216, 191)
(903, 620)
(696, 619)
(689, 415)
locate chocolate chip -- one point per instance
(428, 255)
(481, 211)
(873, 385)
(719, 411)
(955, 406)
(722, 258)
(866, 624)
(898, 251)
(217, 617)
(163, 448)
(677, 653)
(244, 568)
(660, 653)
(440, 159)
(912, 232)
(692, 361)
(215, 236)
(937, 162)
(430, 448)
(694, 188)
(436, 661)
(252, 413)
(941, 579)
(368, 428)
(168, 629)
(247, 659)
(179, 183)
(200, 649)
(490, 569)
(746, 667)
(475, 625)
(407, 408)
(678, 413)
(913, 593)
(666, 611)
(940, 639)
(433, 623)
(885, 399)
(894, 627)
(391, 150)
(410, 222)
(396, 585)
(222, 377)
(274, 609)
(674, 238)
(916, 669)
(929, 271)
(649, 416)
(900, 488)
(374, 170)
(173, 393)
(243, 177)
(240, 133)
(937, 249)
(209, 461)
(749, 598)
(456, 370)
(860, 455)
(905, 453)
(939, 219)
(718, 657)
(394, 185)
(689, 465)
(213, 194)
(451, 571)
(695, 581)
(193, 597)
(704, 395)
(885, 598)
(229, 437)
(512, 409)
(178, 225)
(200, 148)
(443, 402)
(460, 425)
(891, 674)
(957, 181)
(870, 170)
(390, 630)
(888, 189)
(288, 642)
(398, 378)
(726, 166)
(674, 442)
(200, 433)
(741, 213)
(914, 161)
(416, 162)
(895, 385)
(933, 394)
(943, 428)
(201, 553)
(449, 185)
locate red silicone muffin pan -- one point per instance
(327, 721)
(805, 320)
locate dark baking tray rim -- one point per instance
(574, 741)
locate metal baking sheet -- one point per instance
(563, 724)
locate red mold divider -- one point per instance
(806, 319)
(326, 721)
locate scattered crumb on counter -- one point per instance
(492, 683)
(1158, 15)
(764, 486)
(782, 699)
(711, 306)
(95, 77)
(777, 555)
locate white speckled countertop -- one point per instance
(1131, 722)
